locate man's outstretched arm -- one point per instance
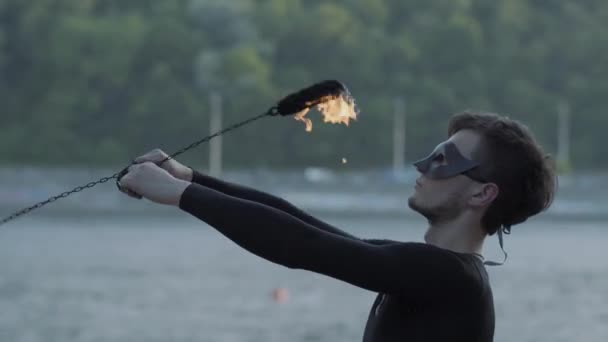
(413, 269)
(243, 192)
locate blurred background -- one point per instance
(87, 85)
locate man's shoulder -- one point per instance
(463, 269)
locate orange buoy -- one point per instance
(280, 295)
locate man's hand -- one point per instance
(154, 183)
(175, 168)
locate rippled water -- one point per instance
(175, 279)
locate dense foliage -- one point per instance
(101, 81)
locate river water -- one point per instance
(133, 278)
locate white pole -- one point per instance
(563, 133)
(399, 137)
(215, 124)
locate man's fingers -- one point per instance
(125, 181)
(155, 156)
(133, 168)
(138, 175)
(148, 158)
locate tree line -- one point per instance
(98, 82)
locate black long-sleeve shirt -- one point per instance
(425, 293)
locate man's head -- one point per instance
(490, 168)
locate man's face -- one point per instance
(440, 198)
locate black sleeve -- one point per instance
(407, 269)
(250, 194)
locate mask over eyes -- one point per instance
(444, 162)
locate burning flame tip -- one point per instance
(335, 109)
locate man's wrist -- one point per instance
(180, 188)
(187, 174)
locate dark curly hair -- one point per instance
(510, 157)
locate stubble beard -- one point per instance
(443, 212)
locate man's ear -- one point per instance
(484, 194)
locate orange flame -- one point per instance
(334, 110)
(300, 117)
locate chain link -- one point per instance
(271, 112)
(54, 198)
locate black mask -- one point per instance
(444, 162)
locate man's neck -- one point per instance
(457, 236)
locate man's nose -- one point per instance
(420, 167)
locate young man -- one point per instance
(488, 176)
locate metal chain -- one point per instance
(54, 198)
(271, 112)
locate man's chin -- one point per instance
(415, 205)
(412, 202)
